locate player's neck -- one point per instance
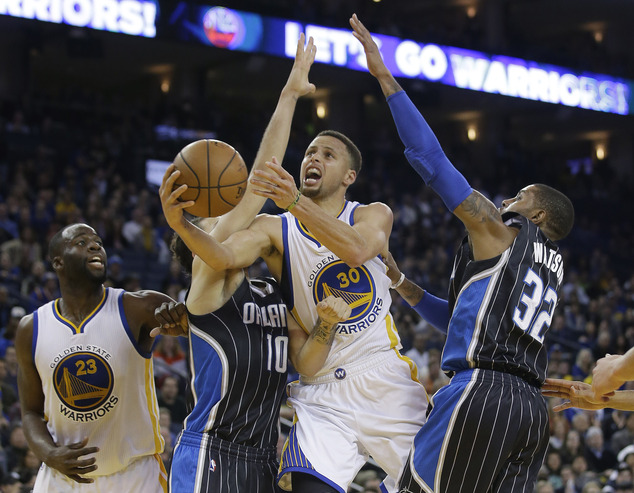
(331, 205)
(78, 303)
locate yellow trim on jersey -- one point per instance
(76, 328)
(308, 233)
(152, 405)
(393, 335)
(162, 473)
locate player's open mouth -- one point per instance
(313, 175)
(96, 261)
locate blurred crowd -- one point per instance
(66, 160)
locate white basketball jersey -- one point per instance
(311, 272)
(97, 383)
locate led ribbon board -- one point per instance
(466, 69)
(133, 17)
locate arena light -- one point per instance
(466, 69)
(134, 17)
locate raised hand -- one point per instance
(376, 66)
(66, 459)
(172, 206)
(276, 184)
(298, 82)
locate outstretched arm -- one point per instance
(355, 244)
(434, 310)
(580, 395)
(275, 139)
(308, 353)
(65, 458)
(273, 144)
(480, 216)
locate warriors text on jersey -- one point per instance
(503, 306)
(239, 357)
(97, 383)
(311, 272)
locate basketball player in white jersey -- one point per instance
(86, 382)
(366, 400)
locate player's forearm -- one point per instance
(274, 141)
(424, 153)
(388, 83)
(622, 400)
(37, 435)
(313, 354)
(273, 144)
(339, 237)
(200, 243)
(410, 292)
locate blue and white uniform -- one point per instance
(99, 384)
(366, 400)
(238, 360)
(488, 429)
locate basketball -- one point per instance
(215, 175)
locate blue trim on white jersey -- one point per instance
(288, 293)
(354, 208)
(126, 326)
(304, 232)
(35, 332)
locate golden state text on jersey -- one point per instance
(83, 380)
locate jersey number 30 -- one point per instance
(278, 353)
(535, 325)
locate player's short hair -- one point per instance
(559, 211)
(55, 245)
(180, 251)
(353, 150)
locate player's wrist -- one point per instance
(396, 284)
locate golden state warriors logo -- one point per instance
(83, 381)
(353, 284)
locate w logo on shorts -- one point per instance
(340, 373)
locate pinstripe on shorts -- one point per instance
(487, 432)
(205, 464)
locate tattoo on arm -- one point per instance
(324, 333)
(410, 292)
(478, 206)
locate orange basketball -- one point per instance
(215, 175)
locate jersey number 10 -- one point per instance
(535, 325)
(277, 353)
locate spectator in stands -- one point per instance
(170, 399)
(8, 227)
(169, 360)
(625, 436)
(42, 293)
(116, 274)
(584, 362)
(7, 333)
(598, 456)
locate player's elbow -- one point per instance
(357, 258)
